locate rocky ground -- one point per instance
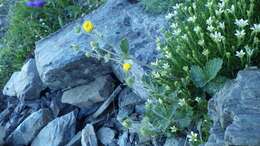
(62, 98)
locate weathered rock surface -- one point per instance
(175, 142)
(88, 136)
(235, 111)
(106, 135)
(58, 132)
(76, 140)
(67, 67)
(89, 94)
(25, 84)
(30, 127)
(2, 135)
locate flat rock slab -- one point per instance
(60, 65)
(58, 132)
(90, 94)
(235, 111)
(25, 84)
(30, 127)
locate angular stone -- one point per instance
(90, 94)
(106, 135)
(237, 110)
(30, 127)
(75, 141)
(60, 65)
(58, 132)
(127, 98)
(25, 84)
(9, 88)
(88, 137)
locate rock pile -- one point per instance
(61, 97)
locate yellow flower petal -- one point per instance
(127, 67)
(88, 26)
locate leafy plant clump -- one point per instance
(208, 42)
(28, 23)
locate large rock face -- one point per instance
(235, 111)
(90, 94)
(58, 132)
(30, 127)
(25, 84)
(116, 20)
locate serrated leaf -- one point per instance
(198, 76)
(212, 68)
(124, 46)
(215, 85)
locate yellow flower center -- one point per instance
(88, 26)
(127, 67)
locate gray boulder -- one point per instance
(9, 88)
(25, 84)
(90, 94)
(30, 127)
(58, 132)
(235, 111)
(88, 136)
(106, 135)
(60, 65)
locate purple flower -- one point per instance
(35, 3)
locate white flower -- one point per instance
(177, 6)
(176, 32)
(249, 51)
(205, 52)
(169, 16)
(217, 37)
(193, 137)
(160, 101)
(192, 19)
(209, 4)
(166, 66)
(198, 99)
(182, 102)
(240, 33)
(256, 28)
(185, 37)
(174, 25)
(197, 29)
(241, 23)
(209, 21)
(222, 25)
(231, 10)
(210, 28)
(201, 42)
(219, 12)
(240, 54)
(174, 129)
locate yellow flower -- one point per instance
(88, 26)
(127, 67)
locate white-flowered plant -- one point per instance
(208, 42)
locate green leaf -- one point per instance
(198, 76)
(124, 46)
(201, 77)
(215, 85)
(212, 68)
